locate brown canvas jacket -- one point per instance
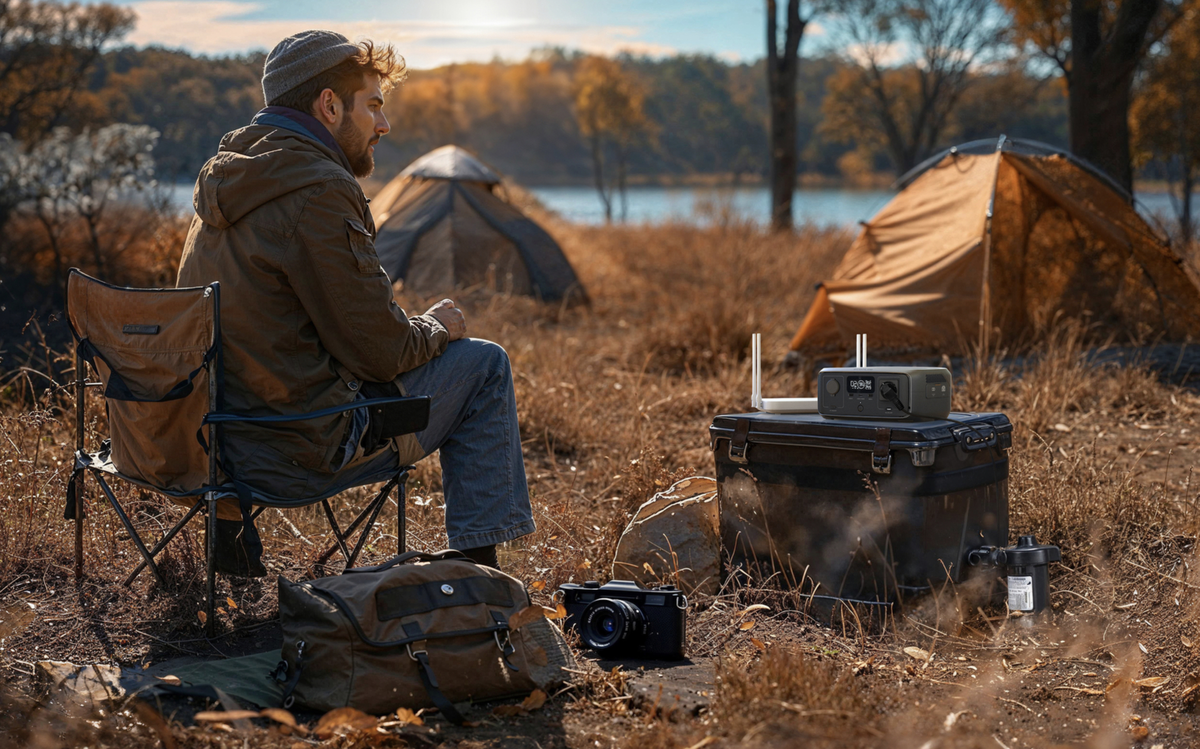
(307, 314)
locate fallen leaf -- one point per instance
(559, 612)
(1139, 733)
(646, 566)
(343, 720)
(755, 607)
(225, 715)
(537, 585)
(529, 614)
(1061, 428)
(746, 625)
(221, 610)
(1151, 681)
(507, 711)
(231, 603)
(1113, 685)
(1123, 606)
(758, 643)
(585, 565)
(203, 617)
(534, 701)
(279, 715)
(1143, 648)
(171, 679)
(1088, 690)
(408, 717)
(861, 666)
(917, 653)
(1187, 641)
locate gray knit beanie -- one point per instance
(302, 57)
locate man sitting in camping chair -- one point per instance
(308, 317)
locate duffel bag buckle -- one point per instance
(506, 647)
(412, 654)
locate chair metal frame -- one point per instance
(208, 496)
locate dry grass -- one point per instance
(615, 400)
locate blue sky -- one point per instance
(434, 33)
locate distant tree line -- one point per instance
(966, 69)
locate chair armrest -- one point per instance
(419, 405)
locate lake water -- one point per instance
(819, 206)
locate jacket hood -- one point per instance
(257, 164)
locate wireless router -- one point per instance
(773, 405)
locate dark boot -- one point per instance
(232, 558)
(485, 555)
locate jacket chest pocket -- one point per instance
(362, 244)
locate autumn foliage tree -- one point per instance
(1098, 45)
(47, 50)
(1166, 115)
(903, 103)
(609, 106)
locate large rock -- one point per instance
(674, 538)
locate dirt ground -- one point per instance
(615, 402)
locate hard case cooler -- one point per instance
(864, 508)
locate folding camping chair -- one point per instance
(158, 356)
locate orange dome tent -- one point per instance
(1001, 236)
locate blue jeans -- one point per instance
(473, 422)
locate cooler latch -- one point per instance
(740, 441)
(881, 454)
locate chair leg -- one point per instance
(337, 533)
(402, 512)
(377, 505)
(133, 534)
(210, 564)
(372, 510)
(166, 539)
(79, 527)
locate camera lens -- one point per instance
(611, 624)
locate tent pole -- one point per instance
(985, 296)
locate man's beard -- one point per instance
(357, 148)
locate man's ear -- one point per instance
(327, 107)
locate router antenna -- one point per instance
(864, 353)
(857, 350)
(756, 371)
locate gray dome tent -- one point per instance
(442, 225)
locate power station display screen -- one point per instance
(860, 384)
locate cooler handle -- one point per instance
(972, 438)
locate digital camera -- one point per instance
(621, 618)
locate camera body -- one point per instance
(621, 618)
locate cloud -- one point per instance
(222, 26)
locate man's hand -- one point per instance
(451, 317)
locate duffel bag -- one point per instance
(420, 630)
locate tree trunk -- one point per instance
(1185, 206)
(782, 68)
(598, 172)
(621, 180)
(1101, 79)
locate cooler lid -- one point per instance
(859, 434)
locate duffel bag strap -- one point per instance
(416, 651)
(409, 556)
(280, 674)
